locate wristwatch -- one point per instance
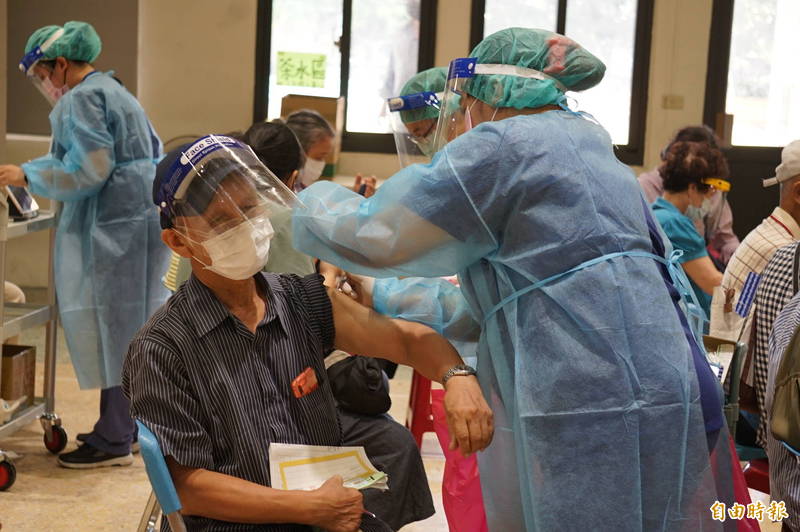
(460, 370)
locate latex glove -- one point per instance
(369, 183)
(469, 418)
(361, 287)
(358, 287)
(11, 174)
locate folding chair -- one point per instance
(163, 499)
(731, 406)
(756, 470)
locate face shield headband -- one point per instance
(455, 120)
(413, 119)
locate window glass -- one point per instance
(384, 49)
(608, 30)
(304, 51)
(501, 14)
(763, 78)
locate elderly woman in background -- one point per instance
(316, 136)
(688, 170)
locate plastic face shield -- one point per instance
(721, 187)
(457, 116)
(31, 61)
(414, 126)
(217, 184)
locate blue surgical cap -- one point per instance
(430, 80)
(78, 43)
(555, 55)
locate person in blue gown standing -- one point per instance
(582, 356)
(108, 256)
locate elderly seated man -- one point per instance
(212, 373)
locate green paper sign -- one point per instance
(299, 69)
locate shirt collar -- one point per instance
(661, 202)
(788, 221)
(208, 312)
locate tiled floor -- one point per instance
(48, 498)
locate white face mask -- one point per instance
(51, 93)
(699, 213)
(242, 251)
(311, 171)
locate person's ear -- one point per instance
(796, 191)
(176, 242)
(60, 65)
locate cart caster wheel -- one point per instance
(58, 441)
(8, 474)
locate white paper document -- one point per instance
(720, 361)
(307, 467)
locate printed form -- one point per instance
(307, 467)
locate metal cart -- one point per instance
(15, 319)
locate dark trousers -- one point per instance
(115, 430)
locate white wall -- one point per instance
(197, 65)
(678, 62)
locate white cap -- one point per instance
(789, 167)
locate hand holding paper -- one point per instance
(340, 508)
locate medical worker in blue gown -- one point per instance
(108, 255)
(582, 355)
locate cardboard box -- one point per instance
(330, 108)
(18, 373)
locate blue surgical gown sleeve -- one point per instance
(427, 220)
(436, 303)
(82, 155)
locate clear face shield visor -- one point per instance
(217, 185)
(721, 188)
(37, 74)
(413, 119)
(460, 111)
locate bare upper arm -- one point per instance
(704, 274)
(363, 331)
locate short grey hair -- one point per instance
(310, 127)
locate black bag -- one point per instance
(360, 385)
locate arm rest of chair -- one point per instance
(157, 471)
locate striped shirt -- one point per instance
(776, 231)
(775, 290)
(784, 467)
(216, 395)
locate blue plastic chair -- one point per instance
(164, 499)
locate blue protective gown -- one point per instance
(597, 410)
(109, 256)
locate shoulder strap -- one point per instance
(795, 268)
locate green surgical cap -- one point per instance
(542, 50)
(431, 80)
(78, 43)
